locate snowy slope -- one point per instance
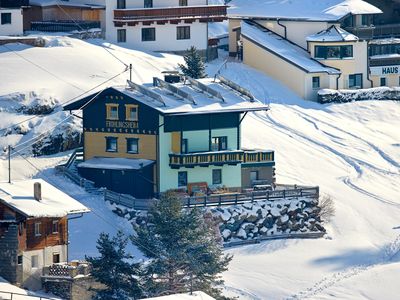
(351, 150)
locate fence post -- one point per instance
(252, 196)
(267, 195)
(188, 202)
(219, 202)
(236, 198)
(205, 201)
(284, 194)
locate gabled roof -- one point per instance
(332, 34)
(307, 10)
(283, 48)
(19, 197)
(196, 102)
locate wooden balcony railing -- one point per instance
(212, 11)
(219, 158)
(376, 31)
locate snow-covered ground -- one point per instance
(351, 150)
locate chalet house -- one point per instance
(65, 15)
(33, 229)
(161, 25)
(317, 42)
(11, 16)
(144, 140)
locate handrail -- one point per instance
(11, 294)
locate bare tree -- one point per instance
(327, 206)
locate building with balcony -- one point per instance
(161, 25)
(144, 140)
(33, 229)
(11, 17)
(306, 39)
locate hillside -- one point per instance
(351, 150)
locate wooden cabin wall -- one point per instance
(47, 238)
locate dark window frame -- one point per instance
(383, 81)
(121, 4)
(183, 33)
(56, 255)
(128, 141)
(183, 2)
(19, 259)
(6, 18)
(185, 145)
(121, 35)
(316, 82)
(218, 140)
(217, 176)
(354, 78)
(148, 3)
(55, 227)
(109, 139)
(184, 182)
(323, 52)
(148, 34)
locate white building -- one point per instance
(310, 40)
(11, 17)
(161, 25)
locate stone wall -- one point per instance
(8, 253)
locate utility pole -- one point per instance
(130, 72)
(9, 164)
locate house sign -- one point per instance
(385, 70)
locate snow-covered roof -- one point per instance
(386, 41)
(194, 296)
(197, 101)
(218, 29)
(115, 163)
(283, 48)
(44, 3)
(308, 10)
(18, 195)
(332, 34)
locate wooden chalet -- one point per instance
(33, 229)
(143, 140)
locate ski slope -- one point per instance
(351, 150)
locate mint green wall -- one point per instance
(231, 175)
(198, 140)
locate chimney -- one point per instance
(37, 191)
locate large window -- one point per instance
(121, 35)
(112, 111)
(367, 20)
(148, 34)
(132, 145)
(384, 49)
(333, 52)
(5, 18)
(219, 143)
(316, 82)
(217, 176)
(182, 179)
(131, 112)
(355, 81)
(111, 144)
(148, 3)
(121, 4)
(183, 33)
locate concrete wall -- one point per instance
(355, 65)
(233, 35)
(31, 276)
(16, 26)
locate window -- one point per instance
(182, 179)
(183, 33)
(121, 4)
(5, 18)
(355, 81)
(315, 82)
(148, 34)
(37, 229)
(132, 146)
(333, 52)
(54, 227)
(19, 259)
(184, 146)
(219, 143)
(111, 144)
(367, 20)
(148, 3)
(112, 111)
(253, 176)
(183, 2)
(121, 35)
(56, 258)
(131, 112)
(35, 261)
(217, 176)
(383, 81)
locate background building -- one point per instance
(11, 16)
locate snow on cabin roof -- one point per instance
(18, 195)
(283, 48)
(196, 102)
(332, 34)
(308, 10)
(44, 3)
(194, 296)
(114, 163)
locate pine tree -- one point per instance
(194, 65)
(114, 269)
(183, 251)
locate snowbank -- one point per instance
(342, 96)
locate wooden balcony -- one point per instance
(209, 13)
(219, 158)
(375, 31)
